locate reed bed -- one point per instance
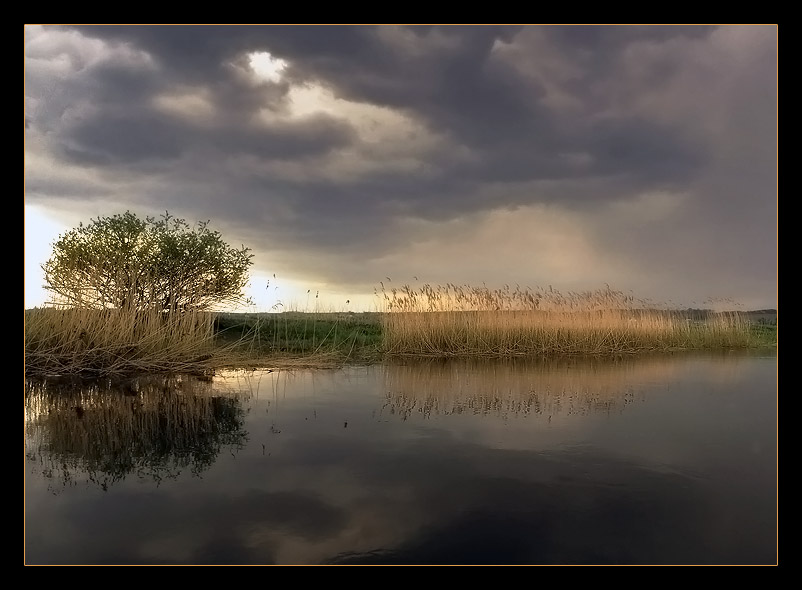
(459, 320)
(109, 341)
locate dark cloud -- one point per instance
(578, 117)
(454, 87)
(125, 141)
(122, 139)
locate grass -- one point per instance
(439, 321)
(348, 335)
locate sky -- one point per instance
(349, 157)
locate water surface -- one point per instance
(669, 459)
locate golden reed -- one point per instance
(460, 320)
(65, 341)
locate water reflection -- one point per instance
(540, 387)
(151, 427)
(663, 460)
(520, 387)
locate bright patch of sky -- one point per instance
(40, 233)
(265, 66)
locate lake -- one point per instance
(666, 459)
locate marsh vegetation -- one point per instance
(433, 321)
(454, 320)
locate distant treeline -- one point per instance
(761, 316)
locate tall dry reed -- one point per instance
(67, 341)
(463, 320)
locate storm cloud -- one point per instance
(644, 157)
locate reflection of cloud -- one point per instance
(388, 491)
(255, 533)
(566, 507)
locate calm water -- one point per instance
(659, 460)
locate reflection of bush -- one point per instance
(154, 428)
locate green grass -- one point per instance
(349, 335)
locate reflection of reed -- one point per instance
(154, 427)
(520, 387)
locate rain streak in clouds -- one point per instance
(641, 157)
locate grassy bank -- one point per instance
(442, 321)
(347, 335)
(101, 342)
